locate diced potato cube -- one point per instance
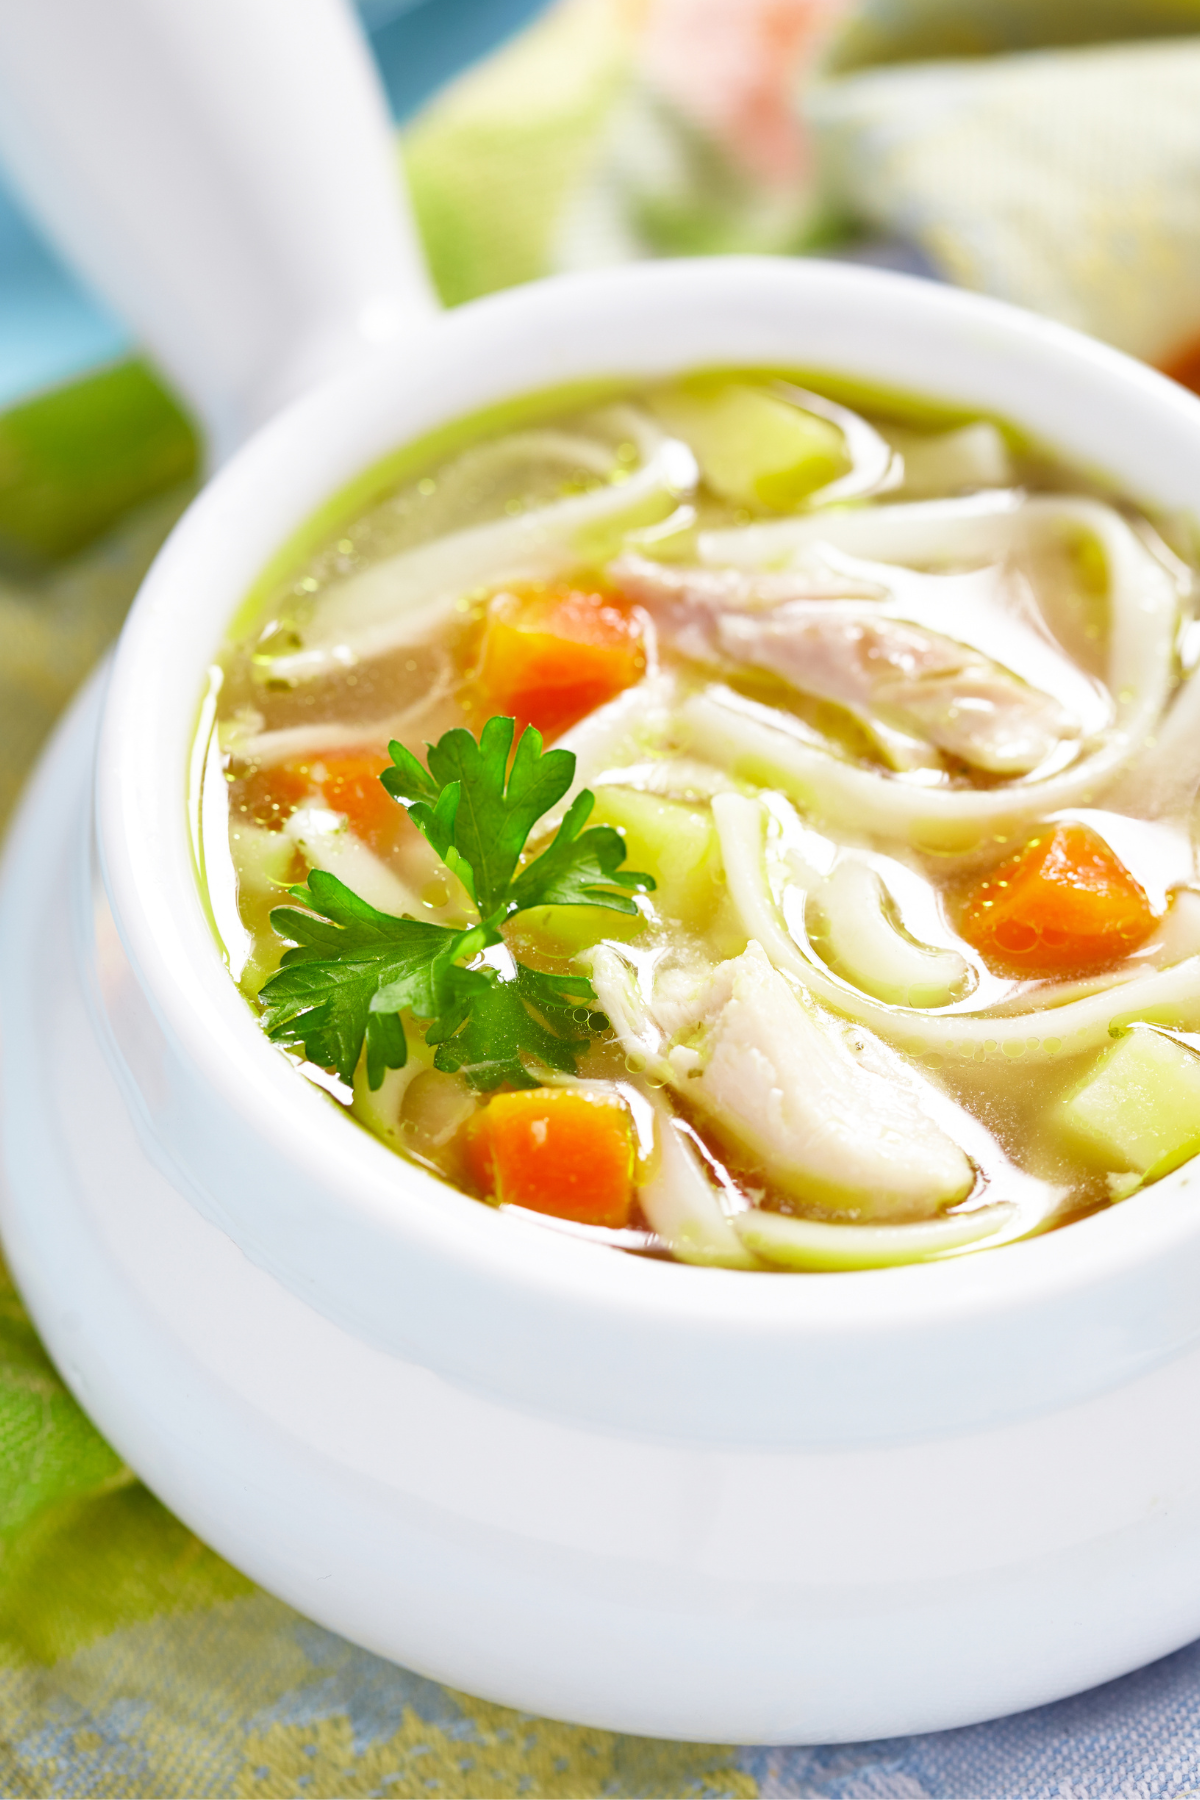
(1139, 1109)
(566, 930)
(974, 456)
(755, 448)
(674, 842)
(263, 859)
(668, 839)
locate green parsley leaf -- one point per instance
(406, 780)
(525, 1017)
(579, 870)
(487, 824)
(351, 973)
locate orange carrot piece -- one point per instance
(267, 797)
(553, 653)
(1063, 905)
(350, 784)
(561, 1151)
(346, 781)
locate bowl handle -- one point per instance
(225, 174)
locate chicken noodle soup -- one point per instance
(728, 823)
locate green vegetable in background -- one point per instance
(72, 460)
(353, 970)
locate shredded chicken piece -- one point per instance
(796, 625)
(961, 702)
(828, 1111)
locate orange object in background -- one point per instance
(560, 1151)
(733, 68)
(1184, 367)
(553, 653)
(1064, 905)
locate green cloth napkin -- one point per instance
(1025, 156)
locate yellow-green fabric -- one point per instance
(133, 1661)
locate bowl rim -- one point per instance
(276, 480)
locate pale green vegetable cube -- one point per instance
(566, 930)
(263, 859)
(755, 448)
(1139, 1109)
(974, 456)
(674, 842)
(668, 839)
(379, 1108)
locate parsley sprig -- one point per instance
(352, 971)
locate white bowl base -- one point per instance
(650, 1587)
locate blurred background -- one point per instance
(1044, 151)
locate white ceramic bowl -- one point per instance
(688, 1502)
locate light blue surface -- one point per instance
(52, 327)
(1133, 1739)
(420, 44)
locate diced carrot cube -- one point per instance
(267, 797)
(346, 781)
(349, 783)
(552, 654)
(1063, 905)
(561, 1151)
